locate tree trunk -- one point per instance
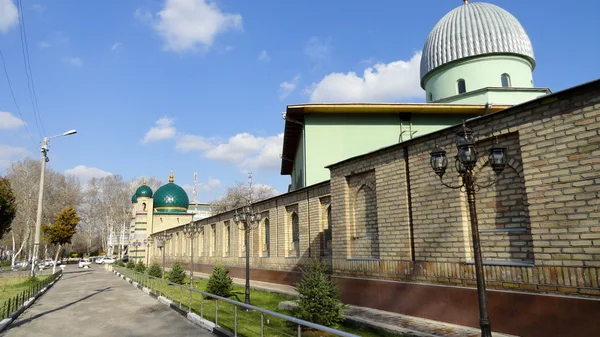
(25, 239)
(56, 258)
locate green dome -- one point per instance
(134, 199)
(171, 198)
(143, 191)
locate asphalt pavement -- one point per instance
(94, 302)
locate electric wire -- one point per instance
(14, 98)
(28, 72)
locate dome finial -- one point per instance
(144, 181)
(466, 1)
(171, 177)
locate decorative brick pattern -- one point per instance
(540, 225)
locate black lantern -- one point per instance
(497, 158)
(467, 154)
(438, 161)
(463, 137)
(460, 168)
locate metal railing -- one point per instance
(14, 303)
(225, 312)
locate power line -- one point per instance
(28, 72)
(14, 98)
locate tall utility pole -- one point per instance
(38, 220)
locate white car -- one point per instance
(108, 260)
(84, 263)
(100, 260)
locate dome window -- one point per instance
(430, 97)
(505, 78)
(462, 87)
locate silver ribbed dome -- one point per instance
(473, 29)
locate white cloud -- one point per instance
(164, 129)
(74, 61)
(8, 121)
(248, 151)
(85, 173)
(264, 56)
(210, 185)
(143, 15)
(9, 15)
(116, 46)
(44, 44)
(286, 88)
(10, 153)
(187, 143)
(38, 8)
(243, 150)
(382, 82)
(318, 49)
(188, 24)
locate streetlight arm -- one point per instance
(462, 184)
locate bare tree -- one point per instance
(59, 191)
(239, 195)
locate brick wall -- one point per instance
(392, 218)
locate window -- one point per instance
(462, 87)
(295, 235)
(227, 239)
(214, 239)
(328, 237)
(505, 78)
(267, 236)
(430, 97)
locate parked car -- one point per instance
(99, 260)
(84, 263)
(108, 260)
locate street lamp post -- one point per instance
(249, 220)
(38, 221)
(135, 245)
(465, 162)
(192, 230)
(148, 242)
(161, 239)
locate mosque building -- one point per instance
(477, 60)
(364, 200)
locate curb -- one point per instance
(192, 317)
(5, 323)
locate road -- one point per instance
(94, 302)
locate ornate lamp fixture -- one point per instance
(465, 161)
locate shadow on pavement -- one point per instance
(25, 321)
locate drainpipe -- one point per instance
(308, 222)
(409, 200)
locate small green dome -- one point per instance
(171, 198)
(143, 191)
(134, 199)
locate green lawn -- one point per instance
(13, 285)
(248, 322)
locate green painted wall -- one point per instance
(480, 72)
(333, 138)
(298, 170)
(512, 97)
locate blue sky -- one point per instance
(199, 86)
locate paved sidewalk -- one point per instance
(410, 325)
(93, 302)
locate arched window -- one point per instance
(295, 235)
(430, 97)
(328, 236)
(267, 237)
(462, 87)
(144, 206)
(505, 78)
